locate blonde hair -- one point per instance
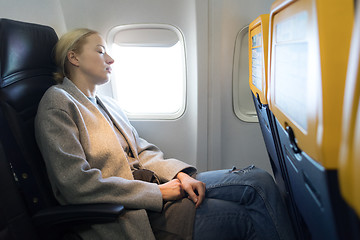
(71, 41)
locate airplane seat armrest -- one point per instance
(77, 214)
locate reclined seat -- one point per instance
(26, 69)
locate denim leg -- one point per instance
(255, 190)
(222, 220)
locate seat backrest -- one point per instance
(26, 68)
(258, 82)
(258, 56)
(349, 165)
(309, 46)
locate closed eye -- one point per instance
(101, 49)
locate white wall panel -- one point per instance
(231, 141)
(47, 12)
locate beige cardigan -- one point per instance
(86, 163)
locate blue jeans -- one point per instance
(241, 204)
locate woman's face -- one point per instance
(94, 62)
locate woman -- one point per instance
(93, 155)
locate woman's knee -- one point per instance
(256, 183)
(258, 177)
(250, 175)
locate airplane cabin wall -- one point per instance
(37, 11)
(208, 135)
(232, 141)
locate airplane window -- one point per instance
(149, 71)
(242, 100)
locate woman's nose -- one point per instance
(109, 60)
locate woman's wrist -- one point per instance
(181, 175)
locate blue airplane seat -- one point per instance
(26, 69)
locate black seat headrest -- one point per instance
(26, 51)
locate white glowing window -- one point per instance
(149, 70)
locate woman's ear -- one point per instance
(71, 55)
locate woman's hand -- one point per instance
(194, 188)
(171, 190)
